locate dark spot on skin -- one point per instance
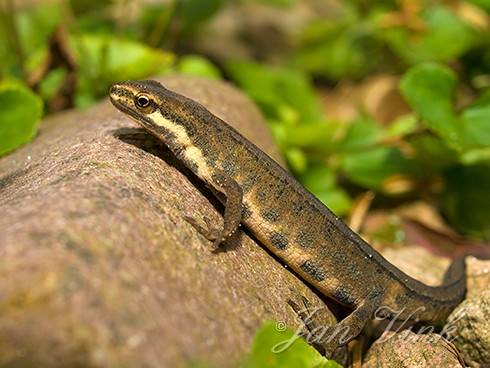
(261, 195)
(229, 167)
(364, 314)
(209, 161)
(280, 189)
(210, 156)
(246, 211)
(313, 270)
(201, 141)
(325, 253)
(270, 215)
(401, 299)
(170, 137)
(329, 234)
(248, 183)
(342, 296)
(346, 258)
(297, 208)
(375, 293)
(279, 240)
(179, 120)
(336, 257)
(304, 239)
(198, 139)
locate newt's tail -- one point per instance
(435, 303)
(450, 293)
(455, 273)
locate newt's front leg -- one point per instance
(232, 217)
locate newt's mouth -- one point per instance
(119, 97)
(115, 100)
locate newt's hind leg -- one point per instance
(330, 338)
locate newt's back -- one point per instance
(318, 245)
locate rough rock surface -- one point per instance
(410, 350)
(470, 321)
(467, 330)
(478, 276)
(98, 267)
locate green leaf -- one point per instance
(485, 4)
(431, 154)
(198, 66)
(318, 177)
(336, 199)
(33, 25)
(36, 25)
(361, 133)
(120, 58)
(475, 156)
(20, 113)
(467, 199)
(336, 49)
(429, 89)
(273, 88)
(193, 12)
(447, 37)
(104, 60)
(297, 159)
(372, 167)
(88, 6)
(9, 65)
(319, 135)
(51, 84)
(402, 126)
(282, 3)
(98, 24)
(283, 349)
(476, 121)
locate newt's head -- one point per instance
(174, 119)
(140, 99)
(153, 106)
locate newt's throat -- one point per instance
(191, 153)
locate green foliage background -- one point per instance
(430, 45)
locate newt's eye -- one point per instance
(143, 101)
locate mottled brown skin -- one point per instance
(283, 215)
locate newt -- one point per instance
(284, 216)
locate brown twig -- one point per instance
(359, 210)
